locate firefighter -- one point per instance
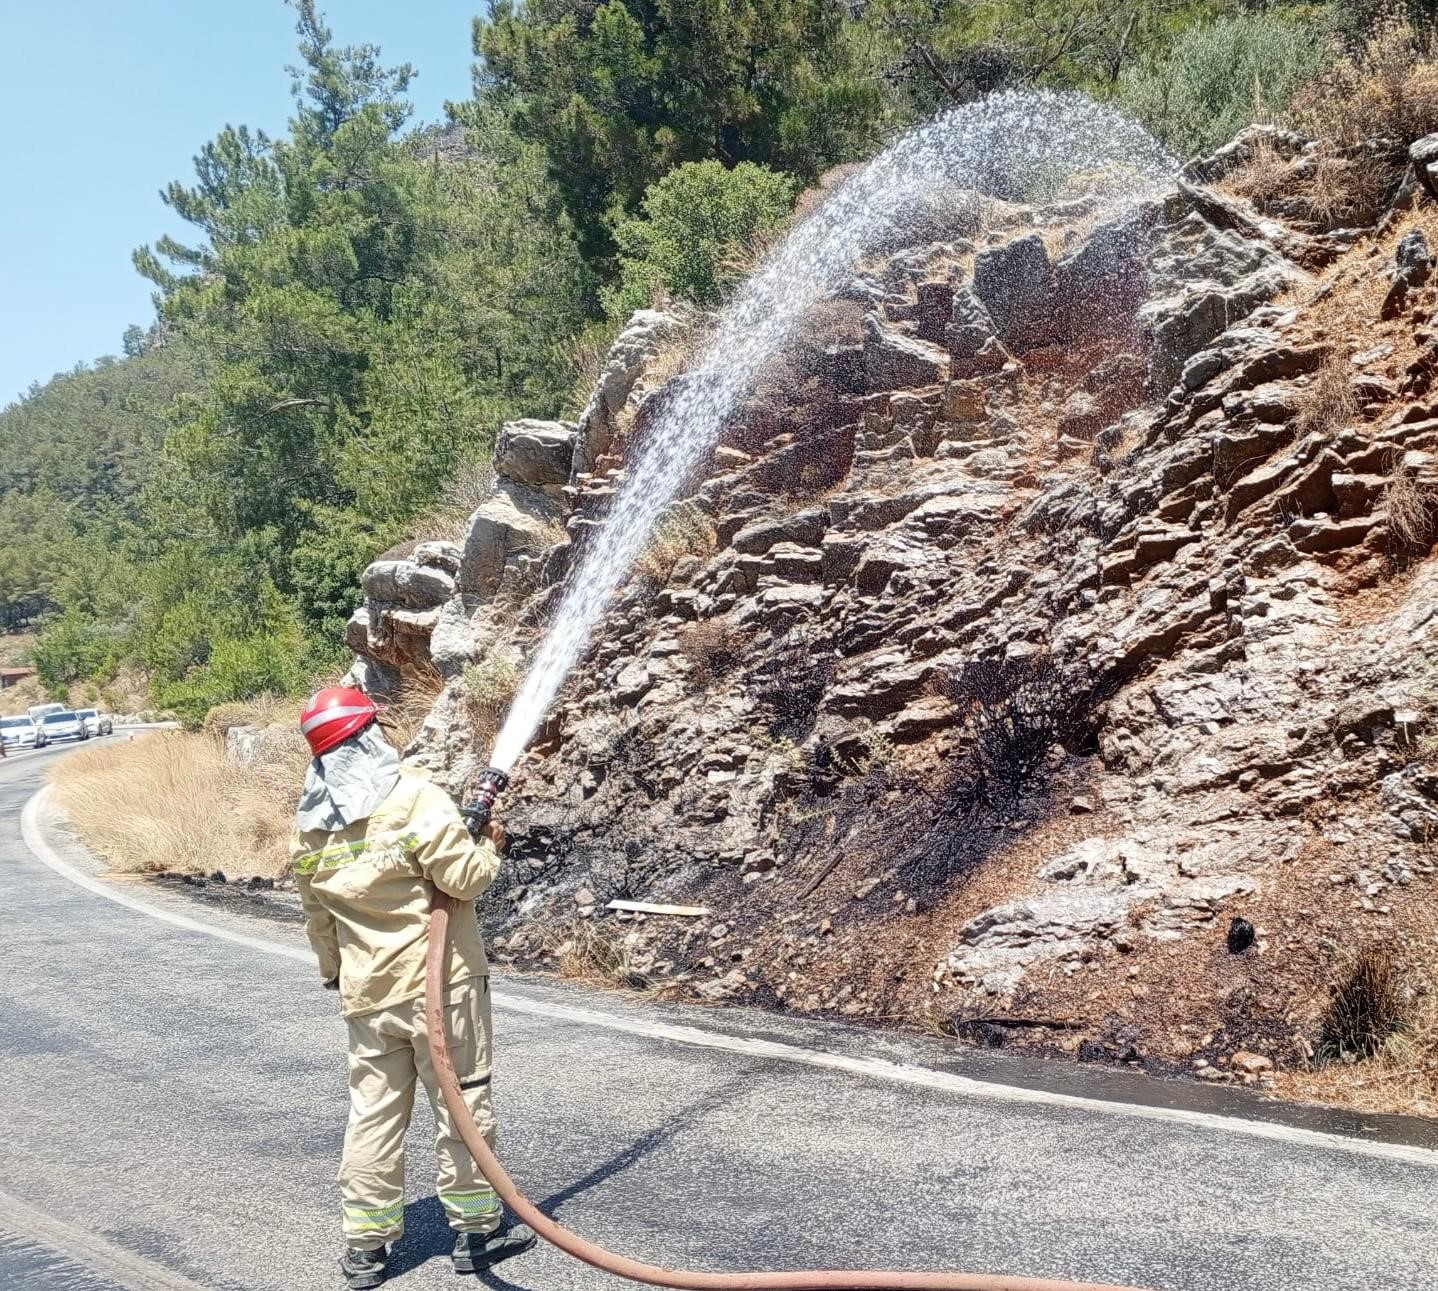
(371, 843)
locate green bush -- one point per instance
(238, 668)
(1221, 76)
(694, 224)
(72, 649)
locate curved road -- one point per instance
(173, 1105)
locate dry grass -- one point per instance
(405, 712)
(465, 492)
(174, 801)
(1264, 176)
(1387, 89)
(1400, 1071)
(595, 952)
(1328, 401)
(1410, 508)
(684, 531)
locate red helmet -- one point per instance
(333, 715)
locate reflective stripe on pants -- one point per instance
(388, 1049)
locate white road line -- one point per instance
(871, 1068)
(85, 1247)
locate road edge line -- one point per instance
(871, 1068)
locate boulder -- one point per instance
(1203, 281)
(438, 554)
(402, 582)
(1105, 279)
(894, 361)
(515, 520)
(1412, 264)
(1016, 284)
(1423, 153)
(970, 329)
(634, 348)
(537, 453)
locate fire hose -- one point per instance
(634, 1270)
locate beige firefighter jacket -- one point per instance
(366, 891)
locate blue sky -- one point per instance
(105, 102)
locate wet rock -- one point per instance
(1015, 283)
(894, 361)
(970, 329)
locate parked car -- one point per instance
(63, 725)
(21, 733)
(96, 722)
(40, 711)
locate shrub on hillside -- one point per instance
(1218, 77)
(693, 226)
(1366, 1007)
(1385, 88)
(237, 668)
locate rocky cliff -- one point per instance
(1046, 654)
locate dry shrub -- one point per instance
(1328, 400)
(595, 952)
(714, 647)
(678, 352)
(1365, 1009)
(1410, 507)
(1264, 176)
(683, 531)
(406, 710)
(468, 489)
(1386, 89)
(174, 801)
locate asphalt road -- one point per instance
(173, 1106)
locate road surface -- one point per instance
(173, 1105)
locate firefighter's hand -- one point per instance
(494, 834)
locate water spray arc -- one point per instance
(998, 144)
(1001, 143)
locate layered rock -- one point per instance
(1171, 467)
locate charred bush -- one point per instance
(792, 683)
(1365, 1009)
(1014, 712)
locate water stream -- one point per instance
(1028, 143)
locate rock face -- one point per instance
(1061, 608)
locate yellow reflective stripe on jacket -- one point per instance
(330, 858)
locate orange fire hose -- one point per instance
(652, 1274)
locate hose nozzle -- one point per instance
(476, 811)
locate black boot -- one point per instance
(362, 1269)
(475, 1251)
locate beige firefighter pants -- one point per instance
(387, 1050)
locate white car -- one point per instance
(21, 733)
(96, 722)
(64, 725)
